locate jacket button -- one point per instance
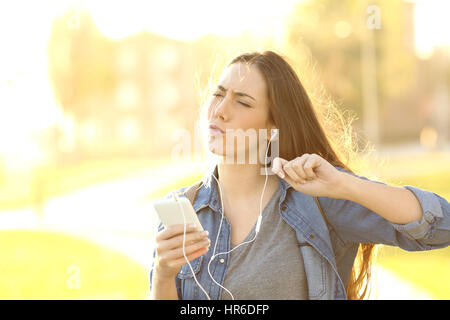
(311, 236)
(283, 208)
(222, 260)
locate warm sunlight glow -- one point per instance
(26, 98)
(342, 29)
(432, 25)
(188, 20)
(428, 137)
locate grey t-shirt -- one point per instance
(271, 267)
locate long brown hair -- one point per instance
(307, 130)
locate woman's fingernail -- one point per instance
(281, 175)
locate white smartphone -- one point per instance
(170, 213)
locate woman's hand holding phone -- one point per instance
(169, 249)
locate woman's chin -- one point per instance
(217, 147)
(216, 151)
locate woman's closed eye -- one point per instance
(220, 95)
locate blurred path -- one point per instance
(115, 215)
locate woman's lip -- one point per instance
(215, 132)
(213, 126)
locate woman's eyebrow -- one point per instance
(236, 92)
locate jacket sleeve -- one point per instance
(355, 223)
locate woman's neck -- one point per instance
(242, 182)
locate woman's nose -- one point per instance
(221, 109)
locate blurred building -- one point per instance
(151, 98)
(120, 98)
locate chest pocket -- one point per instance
(188, 286)
(186, 272)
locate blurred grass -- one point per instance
(45, 265)
(426, 269)
(48, 265)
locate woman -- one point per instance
(298, 252)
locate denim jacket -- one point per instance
(328, 247)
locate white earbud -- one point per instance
(258, 224)
(273, 133)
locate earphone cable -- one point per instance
(184, 250)
(257, 227)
